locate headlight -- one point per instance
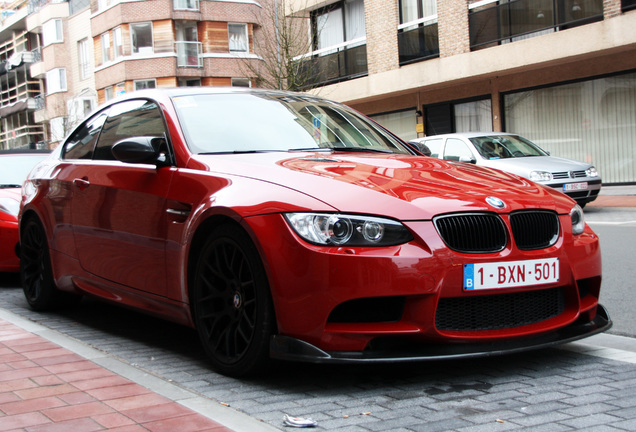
(540, 176)
(591, 172)
(330, 229)
(10, 206)
(578, 220)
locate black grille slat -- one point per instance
(472, 233)
(534, 229)
(492, 312)
(486, 232)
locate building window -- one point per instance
(189, 82)
(417, 33)
(186, 4)
(141, 38)
(83, 53)
(241, 82)
(629, 5)
(105, 48)
(339, 23)
(108, 93)
(120, 89)
(117, 43)
(52, 32)
(499, 22)
(591, 121)
(56, 80)
(145, 84)
(238, 37)
(402, 123)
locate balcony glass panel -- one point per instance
(629, 5)
(189, 54)
(342, 64)
(418, 43)
(495, 24)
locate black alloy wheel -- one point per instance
(36, 273)
(232, 305)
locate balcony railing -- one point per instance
(493, 24)
(189, 54)
(334, 64)
(192, 5)
(418, 41)
(629, 5)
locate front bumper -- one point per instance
(288, 348)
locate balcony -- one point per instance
(189, 54)
(334, 64)
(418, 41)
(629, 5)
(188, 5)
(494, 24)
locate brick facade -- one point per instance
(381, 20)
(452, 17)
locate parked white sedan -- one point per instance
(517, 155)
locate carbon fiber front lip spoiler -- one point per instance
(288, 348)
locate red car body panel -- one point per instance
(125, 232)
(9, 261)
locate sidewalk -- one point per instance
(45, 386)
(616, 196)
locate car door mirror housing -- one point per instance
(468, 159)
(141, 149)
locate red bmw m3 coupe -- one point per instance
(282, 225)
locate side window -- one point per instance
(434, 145)
(457, 150)
(80, 145)
(129, 119)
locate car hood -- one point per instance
(524, 165)
(400, 186)
(11, 193)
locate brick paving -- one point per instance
(47, 388)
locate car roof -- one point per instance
(23, 151)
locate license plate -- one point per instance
(511, 274)
(575, 186)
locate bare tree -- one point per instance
(282, 42)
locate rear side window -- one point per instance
(129, 119)
(81, 143)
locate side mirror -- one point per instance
(141, 149)
(421, 147)
(467, 159)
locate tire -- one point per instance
(36, 273)
(231, 303)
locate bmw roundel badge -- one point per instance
(495, 202)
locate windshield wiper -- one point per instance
(240, 152)
(7, 186)
(360, 149)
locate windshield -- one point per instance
(506, 146)
(15, 168)
(244, 123)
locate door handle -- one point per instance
(82, 183)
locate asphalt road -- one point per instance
(616, 228)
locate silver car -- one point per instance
(517, 155)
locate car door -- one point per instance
(457, 150)
(119, 209)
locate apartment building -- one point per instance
(19, 91)
(560, 72)
(62, 58)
